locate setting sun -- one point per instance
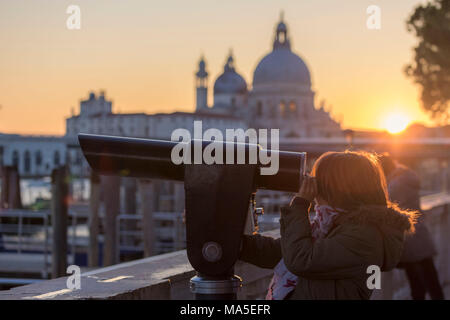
(396, 122)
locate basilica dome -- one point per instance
(230, 82)
(281, 65)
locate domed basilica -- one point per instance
(280, 97)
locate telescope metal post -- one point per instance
(217, 202)
(215, 288)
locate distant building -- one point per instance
(417, 130)
(281, 98)
(33, 155)
(95, 118)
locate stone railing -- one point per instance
(167, 276)
(164, 276)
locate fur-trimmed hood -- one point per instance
(393, 223)
(382, 216)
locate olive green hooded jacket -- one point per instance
(334, 267)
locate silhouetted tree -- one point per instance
(431, 67)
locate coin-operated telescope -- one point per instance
(218, 196)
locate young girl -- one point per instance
(355, 227)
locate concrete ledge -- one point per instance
(92, 289)
(164, 276)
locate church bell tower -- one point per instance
(201, 84)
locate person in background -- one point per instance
(417, 257)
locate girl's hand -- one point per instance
(308, 189)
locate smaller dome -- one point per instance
(230, 81)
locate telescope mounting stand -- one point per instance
(217, 203)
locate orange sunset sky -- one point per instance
(144, 54)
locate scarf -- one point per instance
(283, 281)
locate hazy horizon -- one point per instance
(144, 55)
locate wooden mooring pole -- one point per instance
(94, 204)
(111, 197)
(10, 196)
(59, 221)
(147, 206)
(5, 188)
